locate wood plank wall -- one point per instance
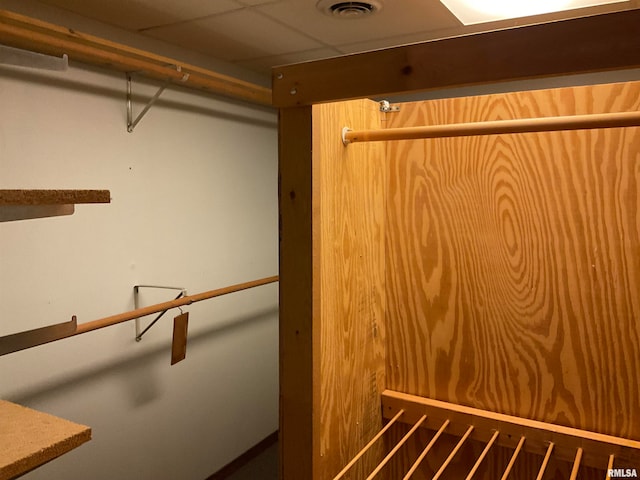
(348, 288)
(513, 261)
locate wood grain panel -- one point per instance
(296, 334)
(348, 277)
(513, 261)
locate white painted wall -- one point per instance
(194, 204)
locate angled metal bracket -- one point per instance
(131, 123)
(27, 58)
(386, 107)
(139, 333)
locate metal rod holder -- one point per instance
(136, 300)
(131, 123)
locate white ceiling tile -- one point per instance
(259, 32)
(140, 14)
(239, 35)
(257, 2)
(396, 17)
(396, 41)
(265, 64)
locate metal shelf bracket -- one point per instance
(131, 123)
(27, 58)
(139, 331)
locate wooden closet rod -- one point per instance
(28, 33)
(40, 336)
(495, 127)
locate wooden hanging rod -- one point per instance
(52, 333)
(595, 448)
(524, 125)
(27, 33)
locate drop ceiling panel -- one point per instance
(256, 2)
(256, 32)
(265, 64)
(141, 14)
(396, 17)
(235, 36)
(391, 41)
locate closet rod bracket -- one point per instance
(131, 123)
(136, 290)
(386, 107)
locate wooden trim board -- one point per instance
(298, 334)
(29, 438)
(598, 43)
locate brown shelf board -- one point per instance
(53, 197)
(29, 439)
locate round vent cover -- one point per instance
(350, 10)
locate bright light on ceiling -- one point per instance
(471, 12)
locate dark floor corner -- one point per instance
(258, 463)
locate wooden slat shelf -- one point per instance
(53, 197)
(29, 439)
(596, 446)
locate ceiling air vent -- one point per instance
(351, 10)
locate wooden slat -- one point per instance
(397, 447)
(53, 197)
(454, 452)
(426, 449)
(545, 462)
(368, 446)
(576, 465)
(557, 48)
(482, 456)
(29, 438)
(609, 466)
(513, 459)
(596, 446)
(31, 34)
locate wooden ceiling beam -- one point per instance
(580, 45)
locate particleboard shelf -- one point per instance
(26, 204)
(53, 197)
(29, 439)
